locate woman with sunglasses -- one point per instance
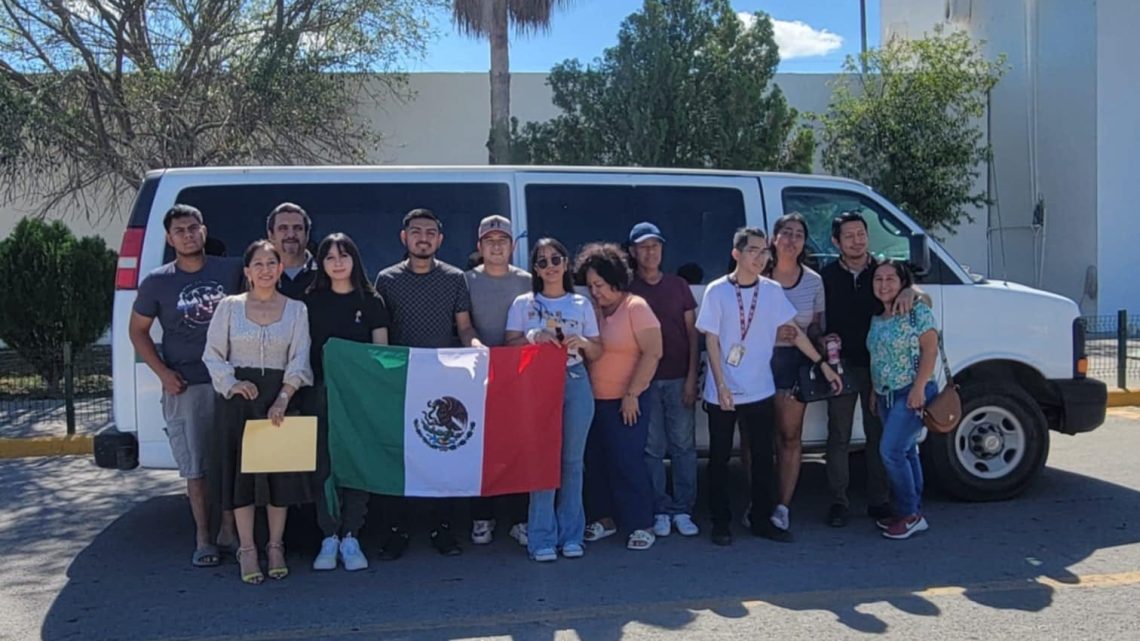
(554, 314)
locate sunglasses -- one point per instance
(543, 263)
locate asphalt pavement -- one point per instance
(96, 554)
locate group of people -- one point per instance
(243, 340)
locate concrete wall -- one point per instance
(1118, 158)
(444, 123)
(1044, 123)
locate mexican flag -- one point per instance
(444, 422)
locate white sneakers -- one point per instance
(483, 532)
(326, 558)
(684, 525)
(347, 549)
(518, 533)
(351, 555)
(780, 517)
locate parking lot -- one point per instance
(97, 554)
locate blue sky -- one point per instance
(814, 35)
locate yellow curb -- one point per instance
(46, 446)
(1123, 398)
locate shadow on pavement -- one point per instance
(134, 580)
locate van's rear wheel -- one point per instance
(997, 450)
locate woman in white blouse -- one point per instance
(257, 351)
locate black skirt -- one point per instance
(241, 490)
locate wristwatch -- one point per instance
(283, 396)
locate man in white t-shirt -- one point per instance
(740, 315)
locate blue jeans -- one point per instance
(617, 482)
(671, 430)
(554, 523)
(899, 449)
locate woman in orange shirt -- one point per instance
(618, 489)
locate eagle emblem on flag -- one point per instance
(444, 425)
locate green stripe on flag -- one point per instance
(366, 414)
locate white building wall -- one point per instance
(445, 123)
(1118, 158)
(1043, 117)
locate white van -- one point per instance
(1017, 353)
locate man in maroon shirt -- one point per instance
(671, 419)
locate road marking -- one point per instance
(800, 600)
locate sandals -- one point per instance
(230, 548)
(640, 540)
(596, 532)
(206, 556)
(255, 576)
(276, 572)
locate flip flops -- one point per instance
(596, 532)
(206, 556)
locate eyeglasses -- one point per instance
(543, 263)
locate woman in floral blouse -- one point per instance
(257, 351)
(904, 348)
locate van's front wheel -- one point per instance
(997, 450)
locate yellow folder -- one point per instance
(290, 447)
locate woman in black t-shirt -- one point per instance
(342, 304)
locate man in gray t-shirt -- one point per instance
(494, 285)
(183, 295)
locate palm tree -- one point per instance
(491, 20)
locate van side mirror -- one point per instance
(920, 253)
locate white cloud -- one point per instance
(797, 39)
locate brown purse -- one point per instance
(943, 413)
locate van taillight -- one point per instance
(130, 252)
(1080, 356)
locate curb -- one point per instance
(1123, 398)
(47, 446)
(85, 445)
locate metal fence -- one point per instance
(55, 391)
(1113, 346)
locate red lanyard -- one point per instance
(745, 326)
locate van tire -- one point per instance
(996, 451)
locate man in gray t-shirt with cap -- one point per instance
(494, 285)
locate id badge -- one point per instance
(735, 355)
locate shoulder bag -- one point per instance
(943, 413)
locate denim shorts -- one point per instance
(786, 362)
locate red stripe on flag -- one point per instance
(522, 441)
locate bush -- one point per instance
(58, 289)
(907, 120)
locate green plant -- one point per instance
(688, 85)
(58, 289)
(907, 120)
(95, 94)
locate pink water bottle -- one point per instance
(833, 343)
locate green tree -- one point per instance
(93, 93)
(57, 289)
(491, 20)
(687, 85)
(908, 122)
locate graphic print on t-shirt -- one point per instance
(553, 320)
(198, 300)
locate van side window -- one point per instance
(888, 238)
(370, 213)
(697, 222)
